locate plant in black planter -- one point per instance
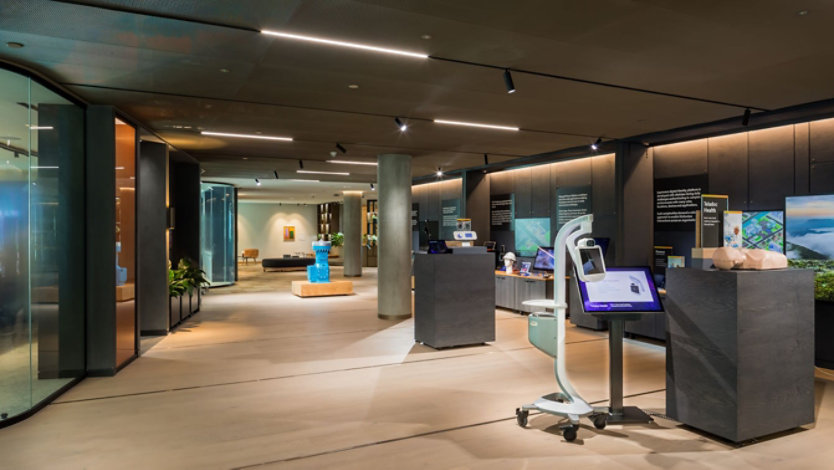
(195, 280)
(177, 286)
(823, 309)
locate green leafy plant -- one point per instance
(824, 279)
(177, 284)
(337, 239)
(193, 276)
(824, 286)
(369, 240)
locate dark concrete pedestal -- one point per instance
(740, 350)
(454, 299)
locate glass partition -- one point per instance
(41, 243)
(125, 242)
(217, 234)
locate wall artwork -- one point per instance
(289, 233)
(810, 227)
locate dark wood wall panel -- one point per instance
(682, 159)
(540, 191)
(771, 167)
(728, 168)
(602, 177)
(822, 141)
(522, 181)
(822, 178)
(801, 159)
(430, 196)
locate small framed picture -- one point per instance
(525, 267)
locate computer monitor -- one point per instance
(437, 247)
(624, 289)
(544, 259)
(591, 261)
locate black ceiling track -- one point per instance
(294, 106)
(136, 11)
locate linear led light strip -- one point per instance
(247, 136)
(352, 162)
(475, 124)
(352, 45)
(313, 172)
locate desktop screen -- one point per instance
(623, 290)
(544, 259)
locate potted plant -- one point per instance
(195, 279)
(823, 309)
(176, 288)
(337, 240)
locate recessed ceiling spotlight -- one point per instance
(14, 45)
(802, 13)
(224, 70)
(353, 86)
(314, 172)
(351, 45)
(246, 158)
(439, 172)
(595, 145)
(401, 125)
(475, 124)
(247, 136)
(426, 36)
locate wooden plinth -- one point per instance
(311, 289)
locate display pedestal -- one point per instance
(321, 289)
(740, 350)
(454, 299)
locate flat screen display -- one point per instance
(531, 234)
(544, 259)
(763, 229)
(810, 227)
(591, 259)
(624, 289)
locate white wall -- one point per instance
(261, 226)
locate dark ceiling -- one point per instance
(182, 66)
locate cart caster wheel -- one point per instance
(600, 421)
(521, 417)
(570, 433)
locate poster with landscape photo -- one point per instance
(809, 224)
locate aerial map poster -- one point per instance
(530, 234)
(810, 227)
(764, 229)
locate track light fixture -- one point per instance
(341, 147)
(439, 172)
(275, 172)
(745, 120)
(257, 182)
(596, 144)
(486, 159)
(508, 81)
(300, 164)
(373, 188)
(400, 125)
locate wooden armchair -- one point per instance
(250, 253)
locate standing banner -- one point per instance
(712, 219)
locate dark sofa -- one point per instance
(287, 264)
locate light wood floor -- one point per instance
(266, 379)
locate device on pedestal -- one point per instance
(464, 233)
(546, 331)
(320, 272)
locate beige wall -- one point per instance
(261, 226)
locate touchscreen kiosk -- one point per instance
(544, 259)
(623, 290)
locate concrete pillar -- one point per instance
(351, 225)
(394, 286)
